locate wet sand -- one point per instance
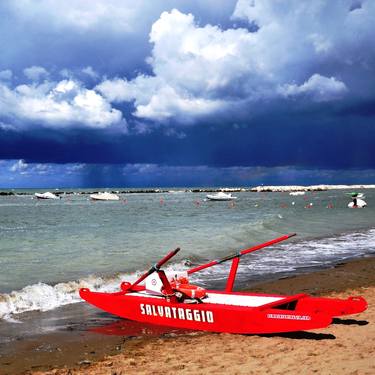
(122, 347)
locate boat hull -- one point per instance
(211, 198)
(360, 204)
(309, 314)
(46, 196)
(102, 197)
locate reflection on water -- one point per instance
(129, 328)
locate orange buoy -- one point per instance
(192, 291)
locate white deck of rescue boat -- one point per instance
(224, 299)
(239, 300)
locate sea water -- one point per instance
(51, 248)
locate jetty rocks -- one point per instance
(309, 188)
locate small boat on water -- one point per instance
(359, 203)
(221, 197)
(357, 200)
(168, 299)
(104, 197)
(295, 193)
(46, 195)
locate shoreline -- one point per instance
(91, 350)
(256, 189)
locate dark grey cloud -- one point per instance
(18, 173)
(188, 83)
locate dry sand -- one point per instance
(345, 347)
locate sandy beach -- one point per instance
(345, 347)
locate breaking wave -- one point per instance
(44, 297)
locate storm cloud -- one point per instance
(186, 84)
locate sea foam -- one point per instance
(44, 297)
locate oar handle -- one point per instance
(165, 259)
(155, 267)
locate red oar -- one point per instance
(240, 253)
(155, 267)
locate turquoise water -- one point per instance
(44, 243)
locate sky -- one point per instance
(186, 92)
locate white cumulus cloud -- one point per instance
(318, 87)
(291, 49)
(58, 104)
(195, 69)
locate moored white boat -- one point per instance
(357, 202)
(297, 193)
(104, 197)
(360, 203)
(46, 195)
(221, 197)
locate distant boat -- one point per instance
(104, 197)
(360, 203)
(46, 195)
(221, 197)
(357, 202)
(297, 193)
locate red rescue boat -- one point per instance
(168, 299)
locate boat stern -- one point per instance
(334, 306)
